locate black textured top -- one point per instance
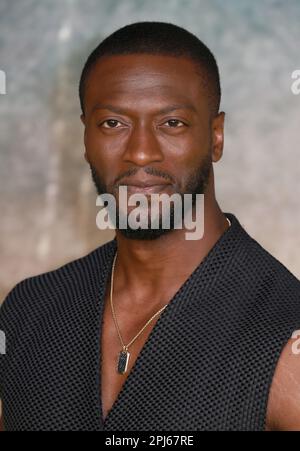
(207, 364)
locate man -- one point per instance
(153, 331)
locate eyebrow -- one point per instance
(168, 109)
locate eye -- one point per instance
(111, 123)
(174, 123)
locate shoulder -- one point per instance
(270, 275)
(275, 297)
(277, 304)
(62, 275)
(283, 412)
(33, 296)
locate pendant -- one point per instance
(123, 361)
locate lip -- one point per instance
(144, 183)
(147, 189)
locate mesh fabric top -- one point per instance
(207, 364)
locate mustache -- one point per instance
(149, 171)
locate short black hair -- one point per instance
(158, 38)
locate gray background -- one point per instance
(47, 200)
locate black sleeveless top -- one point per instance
(207, 364)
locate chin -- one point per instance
(144, 234)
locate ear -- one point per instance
(82, 118)
(217, 128)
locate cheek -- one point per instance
(187, 151)
(102, 156)
(194, 152)
(101, 150)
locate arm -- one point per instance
(283, 413)
(1, 425)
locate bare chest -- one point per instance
(111, 380)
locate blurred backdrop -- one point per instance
(47, 203)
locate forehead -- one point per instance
(145, 80)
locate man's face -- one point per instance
(147, 120)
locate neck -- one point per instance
(155, 269)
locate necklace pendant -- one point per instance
(123, 361)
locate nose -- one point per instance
(142, 147)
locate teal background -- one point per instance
(47, 199)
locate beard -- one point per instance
(196, 183)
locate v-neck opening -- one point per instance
(104, 280)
